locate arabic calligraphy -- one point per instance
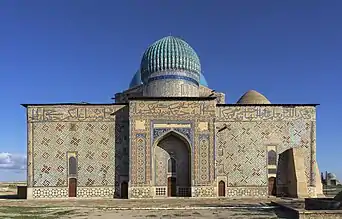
(173, 108)
(45, 114)
(266, 113)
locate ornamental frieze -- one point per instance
(157, 132)
(260, 113)
(72, 113)
(173, 108)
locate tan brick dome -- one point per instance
(253, 97)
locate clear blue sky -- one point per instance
(81, 50)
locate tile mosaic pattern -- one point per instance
(141, 192)
(241, 146)
(204, 157)
(100, 141)
(240, 153)
(53, 140)
(172, 112)
(50, 192)
(203, 191)
(92, 192)
(247, 192)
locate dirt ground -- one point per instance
(131, 209)
(78, 213)
(134, 209)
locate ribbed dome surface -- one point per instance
(169, 53)
(253, 97)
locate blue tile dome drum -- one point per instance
(170, 67)
(136, 80)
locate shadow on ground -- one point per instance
(9, 196)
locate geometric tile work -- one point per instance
(186, 132)
(141, 158)
(203, 191)
(91, 131)
(82, 192)
(247, 191)
(94, 145)
(141, 192)
(104, 192)
(50, 192)
(204, 159)
(160, 158)
(242, 140)
(166, 112)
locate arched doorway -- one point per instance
(124, 190)
(72, 187)
(72, 174)
(272, 190)
(172, 165)
(222, 188)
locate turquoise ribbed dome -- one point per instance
(169, 54)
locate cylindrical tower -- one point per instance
(170, 68)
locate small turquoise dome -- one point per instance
(169, 54)
(136, 80)
(203, 82)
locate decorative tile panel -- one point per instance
(50, 192)
(203, 191)
(141, 192)
(242, 138)
(251, 192)
(101, 143)
(204, 159)
(140, 158)
(265, 113)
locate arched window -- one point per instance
(72, 166)
(272, 157)
(171, 165)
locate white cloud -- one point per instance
(12, 161)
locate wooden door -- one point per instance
(222, 188)
(72, 187)
(171, 187)
(272, 186)
(124, 190)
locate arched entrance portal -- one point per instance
(172, 165)
(222, 188)
(272, 190)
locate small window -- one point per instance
(72, 166)
(272, 157)
(171, 165)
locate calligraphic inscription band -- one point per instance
(77, 114)
(269, 113)
(173, 108)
